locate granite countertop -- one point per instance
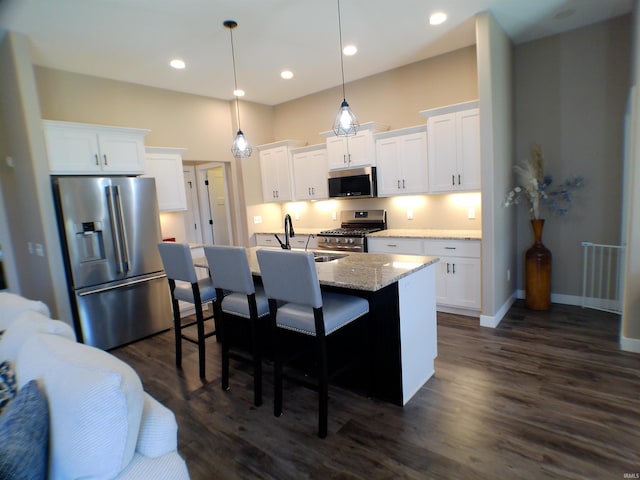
(429, 233)
(358, 271)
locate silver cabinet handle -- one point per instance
(458, 179)
(105, 159)
(97, 160)
(398, 183)
(453, 266)
(453, 180)
(344, 158)
(403, 183)
(392, 245)
(449, 248)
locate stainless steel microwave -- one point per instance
(353, 183)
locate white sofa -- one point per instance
(102, 424)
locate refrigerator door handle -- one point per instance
(121, 285)
(123, 231)
(114, 228)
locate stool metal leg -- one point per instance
(277, 360)
(176, 324)
(323, 373)
(256, 352)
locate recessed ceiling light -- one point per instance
(286, 74)
(177, 63)
(350, 50)
(239, 92)
(437, 18)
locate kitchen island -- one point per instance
(402, 321)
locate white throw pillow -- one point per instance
(95, 405)
(26, 324)
(11, 305)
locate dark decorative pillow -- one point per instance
(7, 384)
(24, 435)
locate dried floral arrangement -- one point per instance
(534, 185)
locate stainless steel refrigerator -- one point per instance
(109, 229)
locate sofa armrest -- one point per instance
(158, 429)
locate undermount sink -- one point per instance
(327, 257)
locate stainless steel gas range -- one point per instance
(354, 227)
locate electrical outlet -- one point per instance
(30, 247)
(296, 216)
(334, 216)
(257, 219)
(409, 214)
(471, 213)
(39, 250)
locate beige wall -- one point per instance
(394, 98)
(25, 185)
(496, 131)
(571, 91)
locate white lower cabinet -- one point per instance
(401, 246)
(300, 241)
(458, 274)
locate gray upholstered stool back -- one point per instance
(177, 261)
(230, 268)
(290, 276)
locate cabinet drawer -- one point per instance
(266, 240)
(405, 246)
(452, 248)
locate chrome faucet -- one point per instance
(288, 232)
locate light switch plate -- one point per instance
(471, 213)
(257, 219)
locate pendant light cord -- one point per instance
(235, 77)
(344, 97)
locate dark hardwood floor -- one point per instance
(544, 395)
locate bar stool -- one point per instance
(178, 265)
(291, 277)
(237, 296)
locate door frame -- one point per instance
(203, 199)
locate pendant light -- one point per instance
(346, 122)
(240, 148)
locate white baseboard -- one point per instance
(492, 321)
(629, 344)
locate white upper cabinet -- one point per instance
(80, 149)
(276, 170)
(310, 173)
(354, 151)
(401, 157)
(454, 147)
(165, 165)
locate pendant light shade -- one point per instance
(240, 148)
(346, 122)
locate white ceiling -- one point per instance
(133, 40)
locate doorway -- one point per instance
(192, 223)
(213, 196)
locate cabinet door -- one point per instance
(360, 150)
(468, 149)
(269, 175)
(461, 282)
(72, 150)
(276, 175)
(337, 153)
(167, 171)
(310, 175)
(121, 153)
(389, 170)
(266, 240)
(414, 178)
(442, 147)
